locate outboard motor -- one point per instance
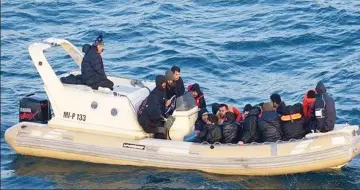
(34, 109)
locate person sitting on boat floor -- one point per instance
(199, 125)
(292, 123)
(177, 88)
(212, 132)
(229, 128)
(250, 131)
(277, 103)
(198, 95)
(92, 67)
(324, 109)
(150, 113)
(269, 124)
(246, 110)
(223, 109)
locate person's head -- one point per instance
(320, 88)
(169, 76)
(204, 115)
(230, 117)
(223, 108)
(276, 100)
(160, 82)
(267, 107)
(195, 89)
(212, 119)
(246, 110)
(99, 44)
(176, 72)
(311, 94)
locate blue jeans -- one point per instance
(191, 137)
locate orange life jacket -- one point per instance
(197, 100)
(291, 117)
(308, 104)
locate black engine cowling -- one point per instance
(34, 109)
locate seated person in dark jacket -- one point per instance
(92, 67)
(292, 123)
(198, 95)
(212, 132)
(250, 131)
(177, 87)
(202, 120)
(229, 128)
(151, 110)
(246, 110)
(269, 124)
(324, 109)
(278, 104)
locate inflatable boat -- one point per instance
(100, 126)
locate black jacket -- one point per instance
(250, 131)
(229, 130)
(92, 67)
(323, 100)
(200, 124)
(269, 126)
(281, 109)
(152, 108)
(211, 134)
(293, 128)
(176, 89)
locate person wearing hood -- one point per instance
(277, 103)
(292, 123)
(212, 132)
(151, 110)
(92, 67)
(250, 131)
(246, 110)
(177, 87)
(269, 124)
(200, 124)
(198, 95)
(202, 121)
(324, 109)
(229, 128)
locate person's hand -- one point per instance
(240, 143)
(167, 103)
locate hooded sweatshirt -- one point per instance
(200, 124)
(153, 107)
(200, 99)
(324, 101)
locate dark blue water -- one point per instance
(238, 51)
